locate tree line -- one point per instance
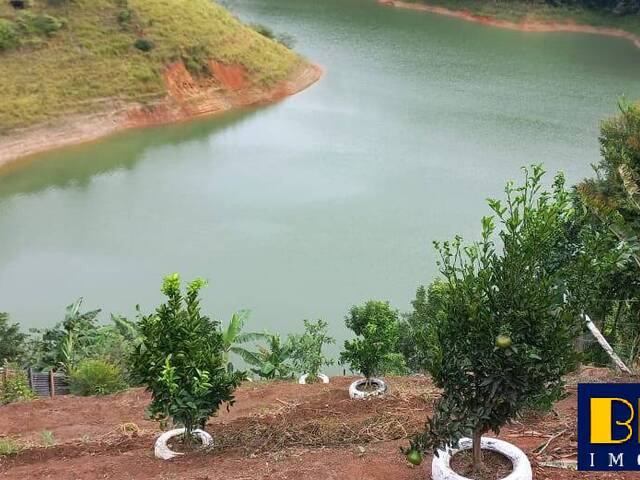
(617, 7)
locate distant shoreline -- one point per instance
(524, 26)
(185, 101)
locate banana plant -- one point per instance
(68, 352)
(128, 329)
(233, 338)
(271, 361)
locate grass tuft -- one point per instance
(68, 57)
(10, 446)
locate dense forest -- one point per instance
(620, 7)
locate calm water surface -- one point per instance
(329, 198)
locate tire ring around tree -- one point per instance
(381, 388)
(441, 464)
(303, 379)
(162, 450)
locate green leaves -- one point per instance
(306, 349)
(68, 341)
(12, 340)
(181, 359)
(499, 334)
(236, 324)
(96, 377)
(376, 325)
(233, 338)
(271, 361)
(605, 280)
(16, 387)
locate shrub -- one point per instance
(78, 337)
(68, 342)
(263, 30)
(124, 16)
(503, 338)
(96, 377)
(48, 25)
(377, 325)
(180, 359)
(196, 60)
(613, 200)
(416, 327)
(39, 24)
(283, 38)
(307, 349)
(9, 446)
(15, 388)
(12, 340)
(8, 34)
(144, 45)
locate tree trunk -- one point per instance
(477, 450)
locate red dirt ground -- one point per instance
(277, 430)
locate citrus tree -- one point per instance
(503, 336)
(180, 359)
(375, 348)
(307, 349)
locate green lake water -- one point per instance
(301, 209)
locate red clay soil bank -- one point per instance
(524, 26)
(280, 430)
(228, 88)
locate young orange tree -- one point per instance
(181, 359)
(503, 336)
(373, 351)
(307, 349)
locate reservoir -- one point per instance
(329, 198)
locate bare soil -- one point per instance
(228, 88)
(495, 466)
(180, 445)
(368, 387)
(276, 430)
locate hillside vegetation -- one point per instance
(69, 56)
(623, 14)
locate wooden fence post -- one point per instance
(52, 384)
(604, 344)
(30, 373)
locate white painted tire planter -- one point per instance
(162, 450)
(441, 465)
(303, 379)
(380, 390)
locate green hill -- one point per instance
(70, 56)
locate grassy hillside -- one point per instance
(543, 11)
(68, 56)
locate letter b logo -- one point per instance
(603, 420)
(609, 427)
